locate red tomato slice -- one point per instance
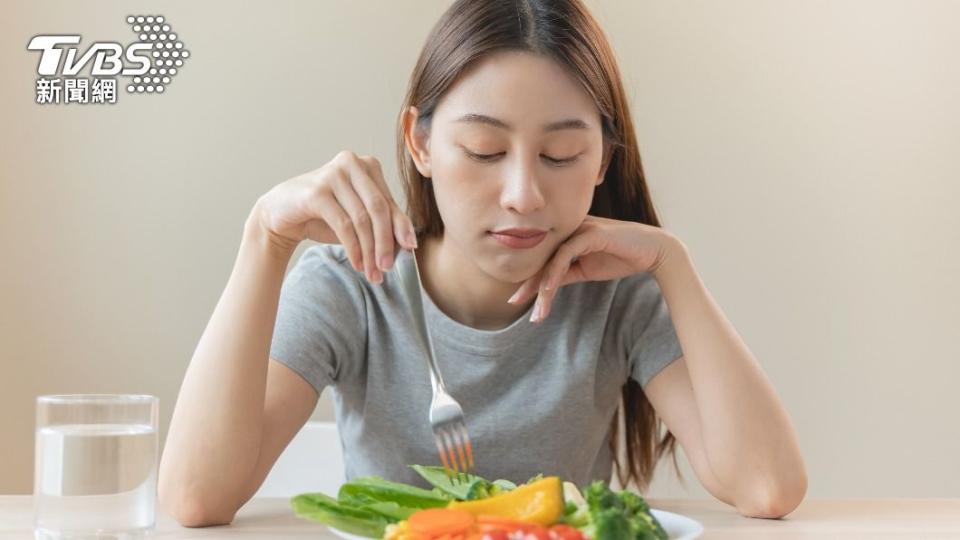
(493, 534)
(566, 532)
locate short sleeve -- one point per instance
(652, 342)
(321, 322)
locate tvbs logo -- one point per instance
(151, 63)
(107, 56)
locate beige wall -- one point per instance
(806, 152)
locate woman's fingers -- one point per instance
(362, 224)
(378, 208)
(529, 289)
(581, 244)
(562, 269)
(403, 229)
(526, 290)
(346, 200)
(325, 206)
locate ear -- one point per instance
(605, 162)
(416, 140)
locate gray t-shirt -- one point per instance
(538, 398)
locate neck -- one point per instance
(462, 290)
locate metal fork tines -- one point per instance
(446, 415)
(450, 434)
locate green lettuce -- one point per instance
(468, 487)
(366, 505)
(328, 511)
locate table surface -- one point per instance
(270, 518)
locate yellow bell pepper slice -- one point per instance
(540, 502)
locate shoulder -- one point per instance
(642, 286)
(324, 268)
(325, 255)
(327, 259)
(637, 300)
(619, 296)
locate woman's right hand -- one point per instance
(347, 202)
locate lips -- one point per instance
(518, 238)
(521, 232)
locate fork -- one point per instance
(446, 415)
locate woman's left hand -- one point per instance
(600, 249)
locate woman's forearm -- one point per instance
(748, 436)
(214, 436)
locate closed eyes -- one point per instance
(488, 158)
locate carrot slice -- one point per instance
(440, 521)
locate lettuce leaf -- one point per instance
(328, 511)
(471, 487)
(370, 489)
(468, 488)
(366, 505)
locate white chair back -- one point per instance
(313, 461)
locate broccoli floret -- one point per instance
(641, 518)
(614, 516)
(576, 516)
(599, 496)
(633, 502)
(612, 524)
(483, 490)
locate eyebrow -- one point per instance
(569, 123)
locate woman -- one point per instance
(554, 297)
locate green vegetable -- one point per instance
(367, 489)
(390, 510)
(469, 488)
(576, 515)
(611, 524)
(636, 506)
(327, 510)
(607, 515)
(366, 505)
(504, 485)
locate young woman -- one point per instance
(554, 298)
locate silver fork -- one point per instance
(446, 415)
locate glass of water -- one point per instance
(95, 466)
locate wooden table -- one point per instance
(845, 519)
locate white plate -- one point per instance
(678, 527)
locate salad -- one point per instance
(543, 508)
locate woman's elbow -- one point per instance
(776, 502)
(194, 511)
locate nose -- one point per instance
(521, 190)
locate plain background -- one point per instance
(805, 152)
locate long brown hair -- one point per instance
(563, 30)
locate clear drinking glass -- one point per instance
(95, 467)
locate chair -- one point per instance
(313, 461)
